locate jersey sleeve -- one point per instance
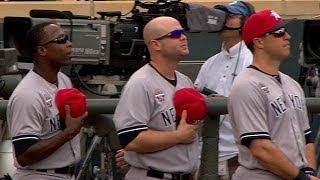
(309, 136)
(248, 113)
(133, 112)
(25, 113)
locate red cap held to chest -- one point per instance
(72, 97)
(193, 102)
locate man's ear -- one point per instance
(155, 44)
(42, 50)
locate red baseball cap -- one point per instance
(193, 102)
(261, 23)
(72, 97)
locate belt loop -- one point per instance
(69, 170)
(174, 177)
(72, 169)
(181, 176)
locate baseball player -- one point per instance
(218, 73)
(267, 108)
(42, 149)
(158, 146)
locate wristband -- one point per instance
(309, 170)
(302, 176)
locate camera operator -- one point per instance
(218, 72)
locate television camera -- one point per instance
(108, 49)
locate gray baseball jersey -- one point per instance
(32, 116)
(262, 106)
(147, 103)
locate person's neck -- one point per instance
(165, 68)
(230, 42)
(267, 65)
(47, 74)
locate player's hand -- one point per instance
(120, 161)
(187, 133)
(74, 124)
(313, 177)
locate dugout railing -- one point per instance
(98, 108)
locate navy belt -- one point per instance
(64, 170)
(175, 176)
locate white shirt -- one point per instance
(217, 74)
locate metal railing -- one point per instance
(210, 131)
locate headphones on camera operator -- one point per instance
(243, 8)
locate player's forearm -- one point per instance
(273, 159)
(44, 148)
(310, 154)
(152, 141)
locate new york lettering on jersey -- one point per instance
(279, 105)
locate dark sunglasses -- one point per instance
(61, 40)
(277, 33)
(175, 34)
